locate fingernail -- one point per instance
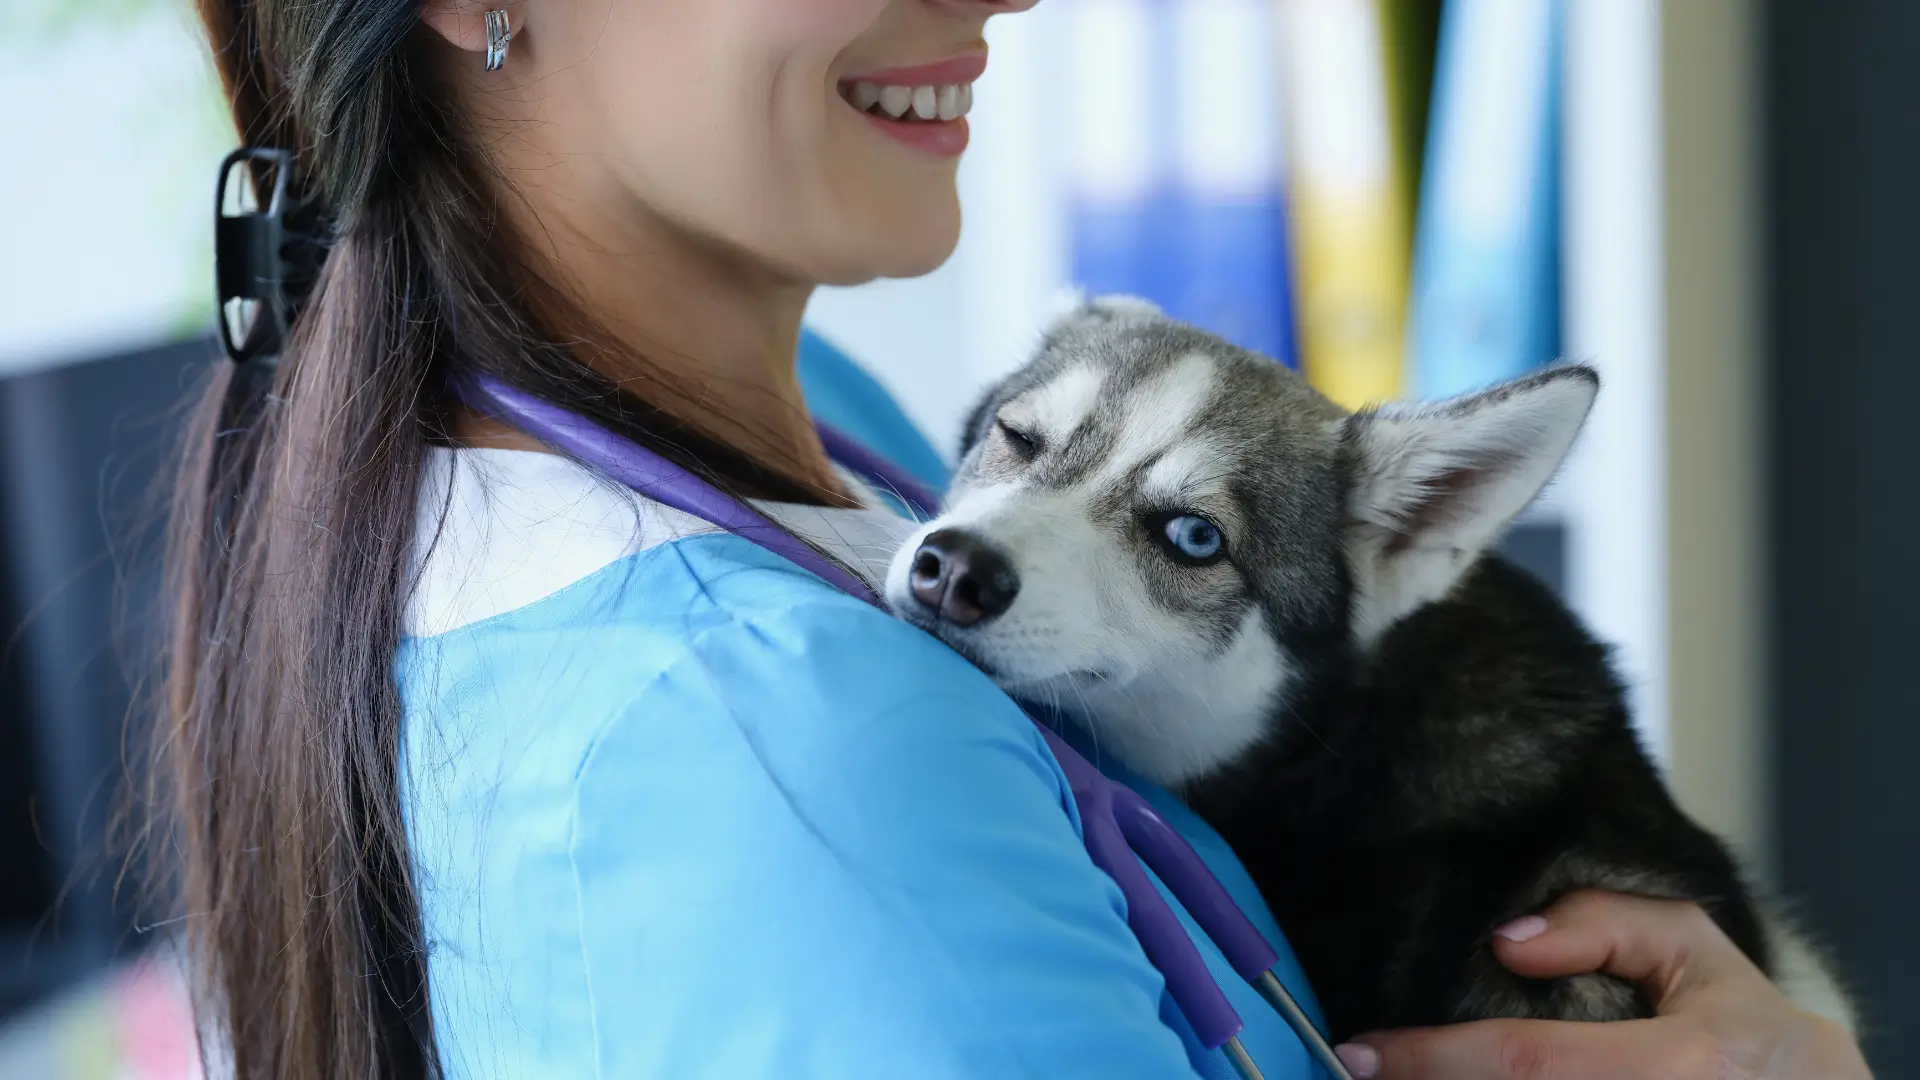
(1361, 1060)
(1523, 929)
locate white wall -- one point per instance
(110, 132)
(1615, 488)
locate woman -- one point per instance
(487, 768)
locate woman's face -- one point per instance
(740, 121)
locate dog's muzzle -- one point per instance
(960, 579)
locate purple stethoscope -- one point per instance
(1117, 823)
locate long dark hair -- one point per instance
(291, 529)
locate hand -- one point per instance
(1718, 1018)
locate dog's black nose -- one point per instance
(961, 579)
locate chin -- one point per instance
(923, 260)
(899, 245)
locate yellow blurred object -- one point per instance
(1413, 40)
(1347, 193)
(135, 1023)
(88, 1039)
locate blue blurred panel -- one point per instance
(1116, 213)
(1176, 191)
(1225, 138)
(1486, 290)
(1123, 248)
(1235, 279)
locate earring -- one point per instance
(499, 33)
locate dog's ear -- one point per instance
(1433, 485)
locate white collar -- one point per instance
(497, 530)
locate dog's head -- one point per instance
(1159, 532)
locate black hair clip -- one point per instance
(266, 258)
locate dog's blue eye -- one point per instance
(1193, 538)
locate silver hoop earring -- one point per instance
(499, 33)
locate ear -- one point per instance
(463, 23)
(1432, 486)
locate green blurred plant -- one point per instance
(52, 19)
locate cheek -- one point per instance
(728, 120)
(860, 204)
(829, 25)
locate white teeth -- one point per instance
(948, 102)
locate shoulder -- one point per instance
(837, 803)
(501, 530)
(497, 530)
(706, 614)
(785, 685)
(701, 763)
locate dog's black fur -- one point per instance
(1433, 768)
(1479, 764)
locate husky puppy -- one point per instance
(1286, 613)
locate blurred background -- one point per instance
(1714, 201)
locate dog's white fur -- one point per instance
(1084, 635)
(1054, 410)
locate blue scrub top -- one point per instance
(698, 814)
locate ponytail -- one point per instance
(291, 533)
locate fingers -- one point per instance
(1536, 1050)
(1669, 948)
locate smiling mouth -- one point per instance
(926, 97)
(926, 103)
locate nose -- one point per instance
(962, 579)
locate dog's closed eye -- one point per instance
(1024, 446)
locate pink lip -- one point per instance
(941, 138)
(960, 69)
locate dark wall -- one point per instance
(80, 447)
(1843, 87)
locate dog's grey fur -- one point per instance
(1408, 741)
